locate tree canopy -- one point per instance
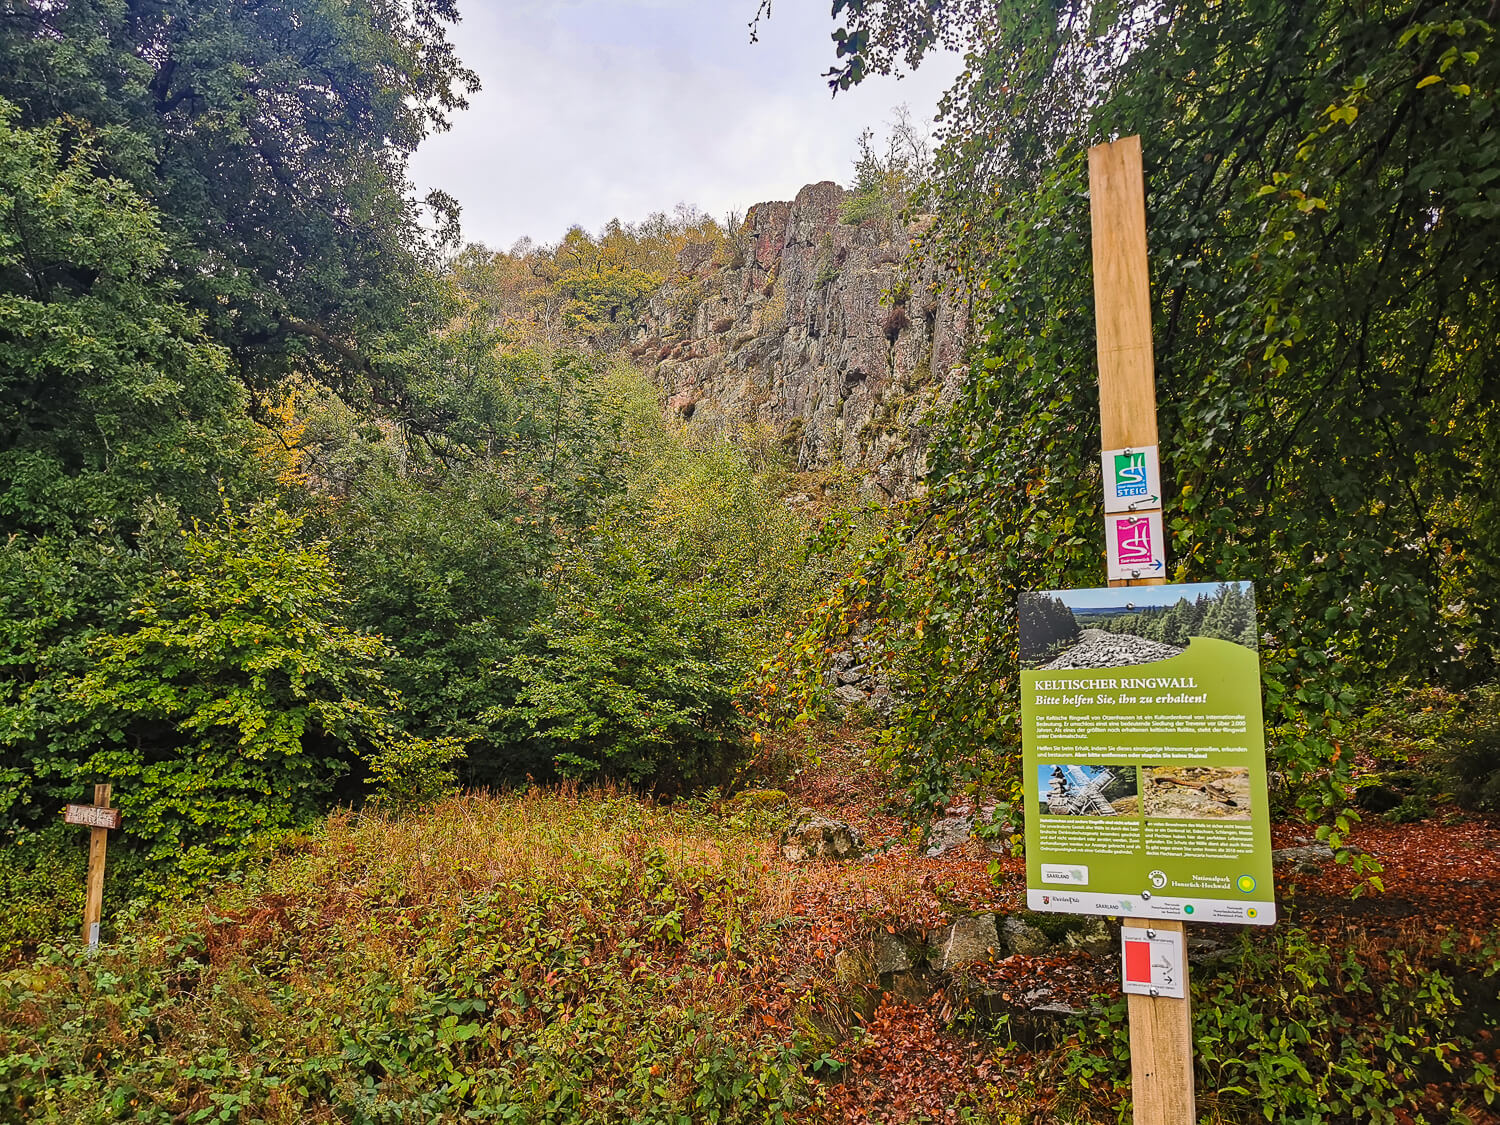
(1323, 192)
(272, 138)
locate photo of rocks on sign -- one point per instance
(1111, 628)
(1087, 790)
(1197, 792)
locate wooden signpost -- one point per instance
(100, 818)
(1161, 1031)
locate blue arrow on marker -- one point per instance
(1156, 565)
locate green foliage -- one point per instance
(1307, 1031)
(1426, 746)
(224, 703)
(550, 968)
(633, 678)
(1228, 614)
(569, 584)
(606, 297)
(886, 178)
(711, 512)
(1471, 758)
(42, 888)
(110, 393)
(1325, 309)
(273, 137)
(593, 288)
(411, 773)
(446, 545)
(234, 700)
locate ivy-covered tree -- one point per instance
(1323, 196)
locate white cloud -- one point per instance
(600, 109)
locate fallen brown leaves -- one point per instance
(910, 1060)
(1445, 874)
(906, 1065)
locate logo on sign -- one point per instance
(1061, 873)
(1133, 540)
(1130, 474)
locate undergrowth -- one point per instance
(535, 958)
(552, 956)
(1304, 1031)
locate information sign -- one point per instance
(1144, 754)
(1132, 479)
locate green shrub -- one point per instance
(1471, 759)
(1303, 1030)
(41, 887)
(224, 709)
(633, 677)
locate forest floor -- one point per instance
(591, 955)
(914, 1062)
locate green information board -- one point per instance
(1144, 754)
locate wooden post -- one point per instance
(1161, 1027)
(93, 903)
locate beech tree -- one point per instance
(1323, 201)
(273, 139)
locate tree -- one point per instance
(273, 138)
(884, 181)
(632, 680)
(110, 393)
(1327, 307)
(1046, 626)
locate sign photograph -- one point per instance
(1144, 753)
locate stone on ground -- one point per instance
(812, 836)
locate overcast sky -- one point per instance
(600, 109)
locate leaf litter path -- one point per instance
(905, 1057)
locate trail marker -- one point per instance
(1155, 962)
(1161, 1026)
(1132, 479)
(100, 818)
(1135, 545)
(92, 816)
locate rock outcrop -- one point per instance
(814, 332)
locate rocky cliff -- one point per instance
(815, 329)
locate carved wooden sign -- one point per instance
(92, 816)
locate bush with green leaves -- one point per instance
(229, 703)
(42, 887)
(1310, 1032)
(1470, 757)
(634, 677)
